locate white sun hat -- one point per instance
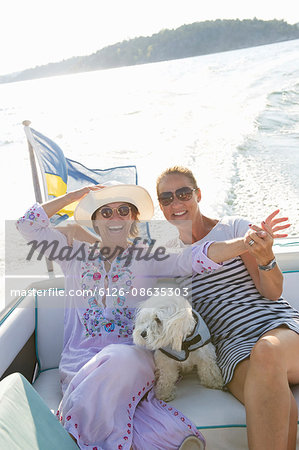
(127, 193)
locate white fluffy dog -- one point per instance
(167, 322)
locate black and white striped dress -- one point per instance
(235, 312)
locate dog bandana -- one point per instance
(198, 338)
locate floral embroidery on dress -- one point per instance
(93, 302)
(205, 269)
(31, 215)
(122, 282)
(92, 321)
(130, 411)
(95, 322)
(179, 415)
(93, 274)
(117, 318)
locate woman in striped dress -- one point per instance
(255, 331)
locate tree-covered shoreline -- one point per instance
(199, 38)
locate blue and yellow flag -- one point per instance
(53, 162)
(61, 174)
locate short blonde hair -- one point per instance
(177, 170)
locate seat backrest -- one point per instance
(49, 326)
(291, 288)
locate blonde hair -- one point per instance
(177, 170)
(134, 227)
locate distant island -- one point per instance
(199, 38)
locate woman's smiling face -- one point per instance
(179, 210)
(116, 228)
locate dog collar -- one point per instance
(199, 337)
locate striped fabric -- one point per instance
(235, 312)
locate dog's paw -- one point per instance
(163, 394)
(210, 377)
(217, 381)
(166, 397)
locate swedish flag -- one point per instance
(53, 164)
(60, 174)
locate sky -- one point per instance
(35, 32)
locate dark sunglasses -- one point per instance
(122, 211)
(183, 194)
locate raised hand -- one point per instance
(80, 193)
(271, 225)
(53, 206)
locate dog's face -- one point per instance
(162, 322)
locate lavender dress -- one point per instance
(108, 401)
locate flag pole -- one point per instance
(36, 185)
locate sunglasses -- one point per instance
(107, 212)
(183, 194)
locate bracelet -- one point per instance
(269, 266)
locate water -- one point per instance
(231, 117)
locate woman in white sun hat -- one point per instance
(108, 400)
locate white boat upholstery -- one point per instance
(217, 414)
(12, 335)
(49, 328)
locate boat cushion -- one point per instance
(12, 335)
(49, 327)
(217, 414)
(25, 421)
(48, 386)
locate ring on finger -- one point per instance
(251, 242)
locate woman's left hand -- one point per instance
(259, 244)
(270, 225)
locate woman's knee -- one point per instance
(267, 355)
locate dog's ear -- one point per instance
(181, 325)
(177, 343)
(177, 329)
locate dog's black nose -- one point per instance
(143, 334)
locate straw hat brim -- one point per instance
(127, 193)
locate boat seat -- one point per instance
(217, 414)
